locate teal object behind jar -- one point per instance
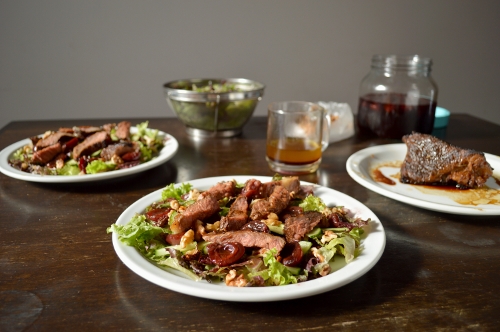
(397, 97)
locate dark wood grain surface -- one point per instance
(59, 271)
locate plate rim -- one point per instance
(352, 167)
(166, 153)
(152, 273)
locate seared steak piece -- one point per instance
(431, 161)
(248, 239)
(118, 149)
(123, 130)
(201, 209)
(43, 156)
(51, 140)
(91, 144)
(277, 202)
(298, 226)
(221, 190)
(237, 216)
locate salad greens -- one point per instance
(258, 267)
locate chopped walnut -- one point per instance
(116, 159)
(235, 280)
(213, 227)
(174, 204)
(325, 270)
(318, 255)
(199, 230)
(59, 163)
(328, 236)
(272, 222)
(273, 215)
(187, 238)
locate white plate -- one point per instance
(168, 151)
(373, 243)
(362, 162)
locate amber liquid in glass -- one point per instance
(293, 150)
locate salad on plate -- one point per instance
(245, 234)
(81, 150)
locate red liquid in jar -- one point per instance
(388, 116)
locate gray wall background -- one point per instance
(109, 58)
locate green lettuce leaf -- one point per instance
(69, 168)
(98, 166)
(276, 273)
(171, 191)
(137, 232)
(313, 203)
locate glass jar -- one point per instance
(397, 96)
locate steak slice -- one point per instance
(200, 209)
(43, 156)
(247, 239)
(237, 216)
(123, 130)
(51, 139)
(431, 161)
(276, 202)
(221, 190)
(91, 144)
(118, 149)
(296, 227)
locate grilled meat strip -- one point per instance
(248, 239)
(237, 216)
(201, 209)
(431, 161)
(298, 226)
(91, 144)
(276, 202)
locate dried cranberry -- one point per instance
(224, 254)
(82, 164)
(174, 239)
(292, 254)
(131, 156)
(256, 226)
(70, 144)
(158, 216)
(251, 188)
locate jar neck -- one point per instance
(402, 64)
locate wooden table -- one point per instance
(59, 271)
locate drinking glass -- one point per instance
(297, 135)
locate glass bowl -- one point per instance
(213, 107)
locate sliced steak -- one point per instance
(248, 239)
(275, 203)
(291, 183)
(123, 130)
(87, 130)
(43, 156)
(237, 216)
(201, 209)
(91, 144)
(51, 139)
(298, 226)
(221, 190)
(118, 149)
(431, 161)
